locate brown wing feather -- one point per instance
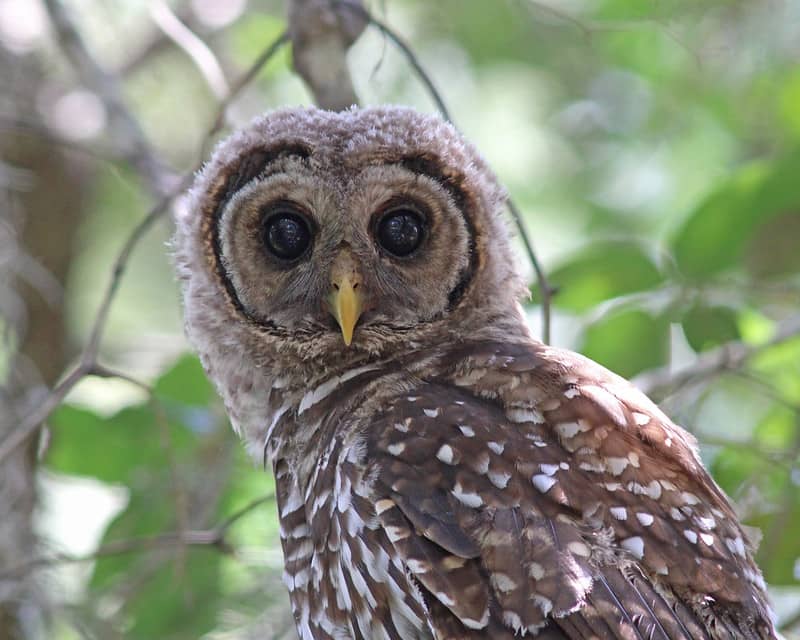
(546, 491)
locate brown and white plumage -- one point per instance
(444, 475)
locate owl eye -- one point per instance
(286, 235)
(400, 231)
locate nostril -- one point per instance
(335, 286)
(355, 286)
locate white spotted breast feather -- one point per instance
(528, 490)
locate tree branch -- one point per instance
(321, 36)
(215, 537)
(663, 382)
(88, 359)
(123, 124)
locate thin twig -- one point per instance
(404, 48)
(102, 371)
(197, 50)
(545, 290)
(86, 364)
(215, 537)
(242, 82)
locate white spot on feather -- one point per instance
(470, 623)
(468, 499)
(502, 582)
(497, 447)
(431, 413)
(545, 604)
(689, 498)
(690, 535)
(735, 545)
(635, 545)
(512, 620)
(324, 390)
(396, 533)
(499, 478)
(645, 519)
(549, 469)
(402, 427)
(383, 505)
(579, 549)
(397, 448)
(525, 415)
(571, 429)
(616, 465)
(445, 454)
(543, 483)
(469, 432)
(620, 513)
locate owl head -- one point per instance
(336, 236)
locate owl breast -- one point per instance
(344, 578)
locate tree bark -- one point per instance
(43, 205)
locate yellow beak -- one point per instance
(346, 305)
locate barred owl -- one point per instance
(440, 473)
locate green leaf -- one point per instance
(777, 431)
(708, 327)
(754, 217)
(186, 383)
(110, 449)
(177, 596)
(601, 272)
(629, 342)
(733, 465)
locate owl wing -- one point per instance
(533, 491)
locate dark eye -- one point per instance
(400, 232)
(286, 235)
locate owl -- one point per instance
(349, 287)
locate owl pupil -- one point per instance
(287, 236)
(400, 232)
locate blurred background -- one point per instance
(653, 147)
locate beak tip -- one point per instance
(346, 307)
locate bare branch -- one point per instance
(404, 47)
(88, 360)
(197, 50)
(237, 87)
(662, 383)
(31, 423)
(215, 537)
(123, 124)
(545, 290)
(321, 36)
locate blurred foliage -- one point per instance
(655, 148)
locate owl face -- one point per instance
(339, 247)
(345, 232)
